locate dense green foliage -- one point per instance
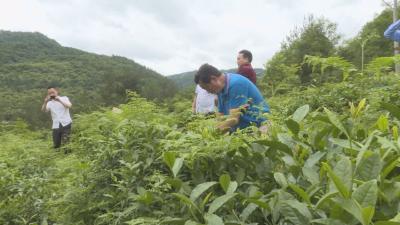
(375, 46)
(30, 62)
(291, 68)
(143, 165)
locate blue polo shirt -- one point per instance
(237, 92)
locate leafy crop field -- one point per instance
(147, 165)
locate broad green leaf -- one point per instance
(213, 219)
(232, 187)
(175, 221)
(393, 109)
(352, 207)
(287, 140)
(301, 113)
(367, 214)
(300, 192)
(200, 189)
(177, 166)
(395, 133)
(364, 215)
(314, 159)
(295, 212)
(396, 218)
(325, 198)
(250, 208)
(224, 181)
(386, 223)
(259, 203)
(311, 175)
(327, 221)
(383, 123)
(344, 170)
(169, 159)
(389, 167)
(276, 145)
(186, 200)
(361, 106)
(345, 143)
(293, 126)
(205, 200)
(281, 179)
(369, 166)
(341, 176)
(142, 221)
(289, 160)
(191, 222)
(219, 202)
(174, 182)
(336, 121)
(366, 194)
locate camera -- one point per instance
(52, 97)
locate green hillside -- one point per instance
(29, 62)
(185, 79)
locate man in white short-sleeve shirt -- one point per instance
(58, 106)
(204, 102)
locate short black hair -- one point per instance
(205, 72)
(247, 54)
(52, 86)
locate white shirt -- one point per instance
(205, 101)
(59, 113)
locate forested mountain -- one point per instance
(29, 62)
(185, 79)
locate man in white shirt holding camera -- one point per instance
(58, 106)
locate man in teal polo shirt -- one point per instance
(238, 97)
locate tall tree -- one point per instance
(317, 36)
(376, 46)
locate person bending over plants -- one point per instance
(238, 98)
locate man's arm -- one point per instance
(393, 32)
(44, 105)
(231, 121)
(65, 102)
(237, 104)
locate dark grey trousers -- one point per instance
(61, 135)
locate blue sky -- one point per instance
(179, 35)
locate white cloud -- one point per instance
(177, 35)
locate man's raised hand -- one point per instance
(47, 98)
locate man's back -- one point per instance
(205, 101)
(247, 71)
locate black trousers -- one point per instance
(61, 135)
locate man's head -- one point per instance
(210, 79)
(244, 57)
(52, 91)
